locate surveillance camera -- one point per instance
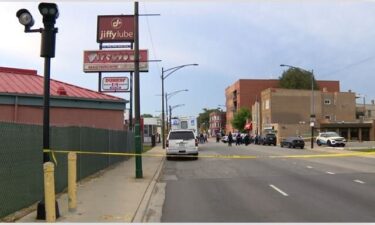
(25, 18)
(49, 10)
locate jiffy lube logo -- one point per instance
(115, 29)
(116, 23)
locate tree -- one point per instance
(294, 78)
(240, 117)
(147, 115)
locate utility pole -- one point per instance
(137, 108)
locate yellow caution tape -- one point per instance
(212, 156)
(53, 155)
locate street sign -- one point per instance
(115, 84)
(113, 61)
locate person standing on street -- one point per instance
(230, 139)
(238, 139)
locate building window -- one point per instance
(327, 101)
(267, 104)
(328, 117)
(369, 113)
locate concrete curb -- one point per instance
(144, 204)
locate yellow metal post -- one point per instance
(49, 191)
(72, 184)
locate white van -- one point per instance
(181, 142)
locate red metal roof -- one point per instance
(21, 81)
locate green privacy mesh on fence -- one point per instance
(21, 173)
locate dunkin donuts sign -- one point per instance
(115, 84)
(115, 28)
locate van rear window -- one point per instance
(185, 135)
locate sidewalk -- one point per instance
(113, 196)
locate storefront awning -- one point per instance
(248, 126)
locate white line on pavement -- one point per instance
(278, 190)
(309, 167)
(330, 173)
(359, 181)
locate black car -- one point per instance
(268, 139)
(293, 142)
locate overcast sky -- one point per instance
(229, 41)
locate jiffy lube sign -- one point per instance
(115, 28)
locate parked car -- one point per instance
(268, 139)
(293, 142)
(330, 139)
(181, 142)
(224, 139)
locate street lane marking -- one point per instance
(309, 167)
(330, 173)
(359, 181)
(278, 190)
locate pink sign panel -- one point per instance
(114, 28)
(113, 61)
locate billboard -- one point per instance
(115, 84)
(113, 61)
(115, 28)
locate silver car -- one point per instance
(181, 142)
(330, 139)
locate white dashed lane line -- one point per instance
(330, 173)
(309, 167)
(278, 190)
(359, 181)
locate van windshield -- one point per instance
(185, 135)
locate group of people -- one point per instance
(239, 139)
(203, 138)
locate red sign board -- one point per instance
(114, 28)
(113, 61)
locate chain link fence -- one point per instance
(21, 159)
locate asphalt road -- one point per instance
(268, 189)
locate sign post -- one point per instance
(312, 124)
(120, 28)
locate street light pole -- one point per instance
(170, 112)
(166, 110)
(162, 108)
(164, 74)
(168, 96)
(312, 112)
(50, 13)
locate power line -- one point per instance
(151, 40)
(351, 65)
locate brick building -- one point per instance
(245, 92)
(21, 101)
(287, 112)
(217, 122)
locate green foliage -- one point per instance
(239, 118)
(294, 78)
(146, 115)
(204, 119)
